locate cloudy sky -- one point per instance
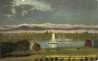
(64, 11)
(70, 11)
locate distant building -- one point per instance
(88, 43)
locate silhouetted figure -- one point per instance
(36, 47)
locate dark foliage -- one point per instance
(6, 48)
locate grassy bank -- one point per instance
(45, 36)
(80, 51)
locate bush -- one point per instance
(6, 48)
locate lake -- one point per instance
(66, 44)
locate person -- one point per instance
(36, 47)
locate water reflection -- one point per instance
(44, 44)
(71, 44)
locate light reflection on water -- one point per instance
(73, 44)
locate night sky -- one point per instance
(63, 11)
(73, 11)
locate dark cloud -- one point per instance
(64, 3)
(83, 4)
(65, 11)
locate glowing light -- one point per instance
(23, 0)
